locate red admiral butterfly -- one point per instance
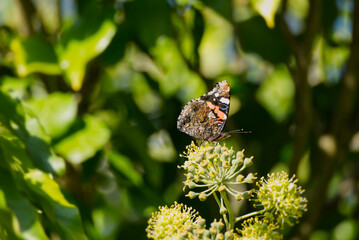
(204, 118)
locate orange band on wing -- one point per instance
(221, 115)
(211, 105)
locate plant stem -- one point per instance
(219, 205)
(229, 209)
(249, 215)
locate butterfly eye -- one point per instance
(214, 99)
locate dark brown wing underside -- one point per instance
(198, 121)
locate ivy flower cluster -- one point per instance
(258, 229)
(170, 222)
(181, 222)
(281, 198)
(199, 231)
(216, 168)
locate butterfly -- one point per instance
(204, 118)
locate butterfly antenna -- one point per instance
(240, 131)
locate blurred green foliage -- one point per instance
(90, 92)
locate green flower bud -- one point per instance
(192, 194)
(202, 197)
(248, 162)
(223, 210)
(250, 178)
(240, 178)
(222, 188)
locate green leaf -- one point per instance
(41, 190)
(38, 145)
(276, 94)
(215, 43)
(146, 99)
(267, 9)
(56, 112)
(34, 54)
(78, 47)
(12, 114)
(15, 87)
(85, 142)
(63, 215)
(26, 215)
(14, 154)
(177, 79)
(24, 124)
(9, 226)
(123, 165)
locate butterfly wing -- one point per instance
(204, 118)
(218, 101)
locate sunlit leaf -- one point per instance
(333, 60)
(216, 48)
(177, 79)
(15, 87)
(296, 13)
(14, 155)
(276, 94)
(85, 142)
(29, 224)
(304, 169)
(267, 9)
(9, 226)
(160, 147)
(38, 145)
(146, 99)
(34, 54)
(24, 124)
(11, 113)
(105, 221)
(47, 194)
(41, 189)
(56, 112)
(345, 230)
(78, 47)
(320, 235)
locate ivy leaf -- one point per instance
(78, 47)
(85, 142)
(25, 221)
(24, 124)
(9, 226)
(271, 94)
(267, 9)
(40, 189)
(34, 54)
(63, 215)
(56, 112)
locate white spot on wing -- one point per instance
(224, 100)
